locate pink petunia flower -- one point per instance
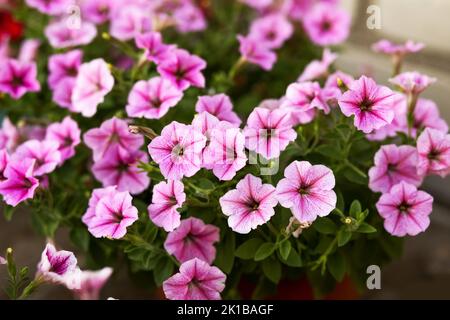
(394, 164)
(273, 30)
(91, 282)
(113, 133)
(45, 153)
(20, 182)
(50, 7)
(317, 69)
(303, 96)
(62, 66)
(189, 18)
(193, 239)
(130, 21)
(268, 132)
(412, 82)
(120, 168)
(18, 78)
(327, 24)
(388, 47)
(433, 147)
(307, 190)
(167, 198)
(59, 267)
(250, 205)
(152, 99)
(218, 105)
(62, 94)
(196, 281)
(2, 260)
(255, 52)
(4, 159)
(9, 135)
(96, 195)
(98, 11)
(93, 82)
(257, 4)
(67, 134)
(405, 210)
(370, 103)
(178, 150)
(184, 69)
(332, 80)
(60, 35)
(114, 212)
(28, 50)
(155, 49)
(205, 123)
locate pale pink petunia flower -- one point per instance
(412, 82)
(178, 150)
(258, 4)
(167, 198)
(28, 50)
(193, 239)
(113, 133)
(189, 18)
(307, 190)
(67, 134)
(96, 195)
(272, 29)
(317, 69)
(303, 96)
(183, 69)
(405, 210)
(394, 164)
(205, 123)
(97, 11)
(218, 105)
(62, 94)
(2, 260)
(196, 281)
(18, 78)
(433, 147)
(114, 212)
(332, 80)
(50, 7)
(120, 168)
(268, 132)
(62, 66)
(45, 153)
(250, 205)
(256, 52)
(327, 24)
(388, 47)
(153, 98)
(91, 283)
(9, 135)
(155, 49)
(93, 82)
(4, 159)
(129, 22)
(60, 35)
(20, 183)
(370, 103)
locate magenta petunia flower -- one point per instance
(18, 78)
(317, 69)
(183, 69)
(62, 94)
(307, 190)
(268, 132)
(152, 99)
(96, 195)
(196, 281)
(167, 198)
(62, 66)
(388, 47)
(155, 49)
(412, 82)
(405, 210)
(60, 35)
(130, 21)
(303, 96)
(50, 7)
(98, 11)
(178, 150)
(370, 103)
(250, 205)
(394, 164)
(114, 212)
(218, 105)
(189, 18)
(120, 168)
(433, 147)
(94, 81)
(4, 159)
(256, 52)
(59, 267)
(327, 24)
(45, 153)
(273, 30)
(20, 183)
(91, 282)
(193, 239)
(67, 134)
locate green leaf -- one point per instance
(272, 269)
(8, 212)
(225, 259)
(206, 184)
(293, 260)
(325, 225)
(366, 228)
(285, 249)
(80, 237)
(248, 248)
(44, 224)
(354, 177)
(336, 266)
(355, 208)
(343, 237)
(264, 251)
(331, 151)
(163, 270)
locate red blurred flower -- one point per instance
(8, 26)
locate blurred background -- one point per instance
(424, 270)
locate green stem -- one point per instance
(235, 68)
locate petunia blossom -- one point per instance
(433, 147)
(206, 123)
(96, 195)
(130, 21)
(9, 135)
(91, 282)
(193, 239)
(405, 210)
(256, 52)
(307, 190)
(303, 96)
(218, 105)
(167, 198)
(18, 78)
(189, 18)
(2, 260)
(155, 49)
(317, 69)
(67, 134)
(196, 281)
(412, 82)
(394, 164)
(4, 159)
(62, 66)
(388, 47)
(98, 11)
(250, 205)
(45, 153)
(60, 35)
(50, 7)
(272, 29)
